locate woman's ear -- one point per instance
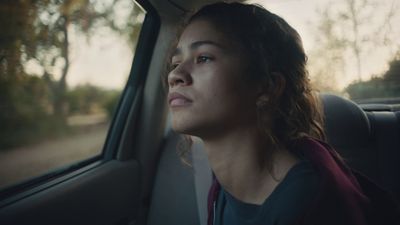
(278, 84)
(272, 89)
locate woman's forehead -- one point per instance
(201, 30)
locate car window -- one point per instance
(353, 46)
(63, 66)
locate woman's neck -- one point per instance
(241, 165)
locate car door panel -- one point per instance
(106, 194)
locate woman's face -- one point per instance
(207, 94)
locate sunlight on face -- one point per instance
(206, 92)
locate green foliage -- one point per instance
(387, 86)
(24, 110)
(83, 99)
(87, 99)
(110, 102)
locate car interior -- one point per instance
(140, 179)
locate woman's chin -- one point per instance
(185, 127)
(182, 128)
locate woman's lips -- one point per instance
(176, 99)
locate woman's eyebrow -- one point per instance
(197, 44)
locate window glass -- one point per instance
(353, 46)
(63, 65)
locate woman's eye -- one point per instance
(203, 58)
(174, 65)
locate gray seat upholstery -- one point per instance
(386, 137)
(368, 141)
(349, 132)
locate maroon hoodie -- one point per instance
(344, 198)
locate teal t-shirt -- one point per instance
(286, 203)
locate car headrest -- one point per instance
(346, 124)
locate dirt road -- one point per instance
(24, 162)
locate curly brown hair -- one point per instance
(275, 54)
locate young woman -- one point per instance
(238, 81)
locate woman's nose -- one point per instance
(180, 76)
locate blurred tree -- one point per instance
(88, 99)
(38, 33)
(346, 32)
(328, 58)
(387, 86)
(110, 102)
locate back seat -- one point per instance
(385, 128)
(368, 141)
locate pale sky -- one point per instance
(107, 60)
(302, 15)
